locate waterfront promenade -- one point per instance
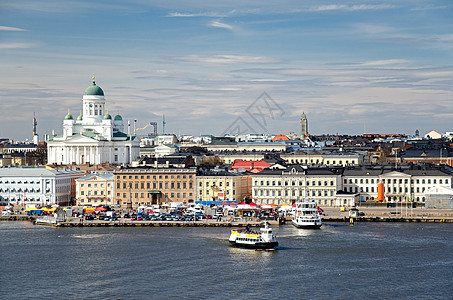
(332, 214)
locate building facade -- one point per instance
(295, 183)
(96, 189)
(216, 185)
(135, 187)
(404, 183)
(323, 158)
(94, 137)
(37, 186)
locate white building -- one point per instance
(295, 183)
(94, 137)
(37, 186)
(409, 182)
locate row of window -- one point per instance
(95, 193)
(95, 185)
(143, 195)
(24, 182)
(295, 183)
(319, 161)
(154, 176)
(395, 181)
(155, 185)
(208, 184)
(227, 192)
(14, 190)
(294, 193)
(393, 190)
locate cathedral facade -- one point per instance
(95, 137)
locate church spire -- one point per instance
(94, 82)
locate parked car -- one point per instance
(134, 217)
(89, 217)
(126, 216)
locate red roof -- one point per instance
(253, 166)
(280, 137)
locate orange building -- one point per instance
(147, 186)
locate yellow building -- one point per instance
(319, 158)
(95, 189)
(223, 186)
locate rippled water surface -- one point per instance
(367, 260)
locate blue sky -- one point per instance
(351, 66)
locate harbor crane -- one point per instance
(154, 124)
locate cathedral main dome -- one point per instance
(93, 90)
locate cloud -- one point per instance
(385, 62)
(220, 25)
(341, 7)
(7, 28)
(201, 14)
(227, 59)
(15, 45)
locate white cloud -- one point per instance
(227, 59)
(200, 14)
(15, 45)
(385, 62)
(7, 28)
(220, 25)
(342, 7)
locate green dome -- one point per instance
(94, 90)
(118, 118)
(68, 117)
(107, 116)
(80, 117)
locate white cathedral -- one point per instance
(94, 137)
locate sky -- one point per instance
(217, 67)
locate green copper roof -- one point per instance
(80, 117)
(107, 116)
(94, 90)
(118, 118)
(68, 117)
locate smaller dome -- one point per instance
(107, 116)
(68, 117)
(118, 118)
(80, 117)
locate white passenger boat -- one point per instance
(307, 215)
(254, 239)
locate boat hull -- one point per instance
(270, 245)
(308, 226)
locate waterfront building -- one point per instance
(221, 185)
(37, 186)
(147, 186)
(293, 183)
(96, 189)
(94, 137)
(406, 182)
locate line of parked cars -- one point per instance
(167, 217)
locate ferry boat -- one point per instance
(254, 239)
(307, 215)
